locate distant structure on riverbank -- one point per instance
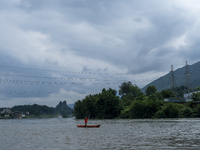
(186, 98)
(6, 111)
(8, 114)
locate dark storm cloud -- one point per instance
(165, 23)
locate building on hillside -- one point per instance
(6, 111)
(177, 99)
(188, 96)
(7, 115)
(17, 115)
(23, 116)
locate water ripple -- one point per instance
(62, 134)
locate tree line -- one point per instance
(41, 110)
(132, 103)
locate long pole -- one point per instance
(88, 118)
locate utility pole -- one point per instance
(187, 78)
(173, 82)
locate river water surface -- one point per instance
(63, 134)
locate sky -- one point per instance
(51, 50)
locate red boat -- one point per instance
(89, 126)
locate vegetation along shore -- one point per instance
(36, 111)
(129, 103)
(132, 103)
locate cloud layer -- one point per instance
(92, 45)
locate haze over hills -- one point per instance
(71, 105)
(164, 82)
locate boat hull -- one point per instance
(89, 126)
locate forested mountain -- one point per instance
(164, 82)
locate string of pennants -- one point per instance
(79, 72)
(61, 78)
(54, 70)
(62, 83)
(47, 83)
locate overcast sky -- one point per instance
(56, 50)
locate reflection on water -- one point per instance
(62, 134)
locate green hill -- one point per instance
(61, 109)
(43, 109)
(165, 81)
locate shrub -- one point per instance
(160, 114)
(190, 104)
(137, 109)
(143, 109)
(186, 112)
(196, 111)
(125, 113)
(170, 110)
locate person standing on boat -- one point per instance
(86, 120)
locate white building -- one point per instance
(188, 96)
(6, 111)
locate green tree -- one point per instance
(196, 96)
(167, 93)
(124, 88)
(103, 105)
(153, 97)
(114, 92)
(170, 110)
(141, 97)
(150, 90)
(190, 104)
(37, 113)
(196, 111)
(89, 102)
(127, 99)
(2, 115)
(160, 114)
(159, 95)
(143, 109)
(79, 110)
(107, 105)
(186, 112)
(197, 89)
(134, 92)
(125, 113)
(137, 109)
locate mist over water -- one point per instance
(63, 134)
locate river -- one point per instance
(134, 134)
